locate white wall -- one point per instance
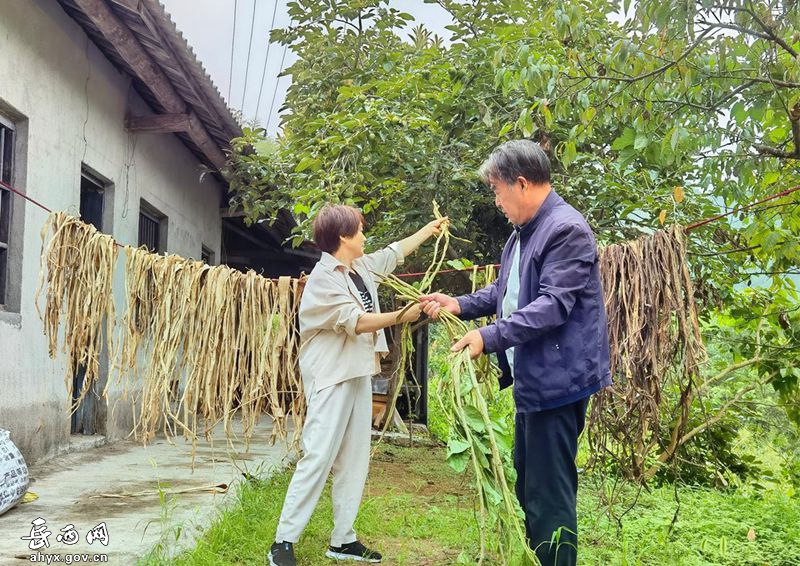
(74, 102)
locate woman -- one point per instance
(341, 341)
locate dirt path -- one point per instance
(140, 493)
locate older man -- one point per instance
(550, 336)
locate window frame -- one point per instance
(160, 221)
(8, 140)
(206, 255)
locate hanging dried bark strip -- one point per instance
(654, 337)
(212, 341)
(199, 344)
(77, 271)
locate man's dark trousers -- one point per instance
(545, 447)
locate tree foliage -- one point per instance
(678, 112)
(383, 119)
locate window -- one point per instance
(152, 228)
(13, 166)
(92, 199)
(206, 255)
(96, 209)
(6, 174)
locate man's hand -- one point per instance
(432, 304)
(472, 340)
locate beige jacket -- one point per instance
(330, 349)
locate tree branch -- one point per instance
(775, 152)
(789, 272)
(771, 32)
(727, 371)
(658, 71)
(682, 103)
(732, 93)
(347, 23)
(726, 252)
(735, 27)
(669, 452)
(783, 84)
(721, 413)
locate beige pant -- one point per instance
(336, 436)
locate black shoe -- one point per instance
(282, 554)
(353, 551)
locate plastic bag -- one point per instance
(13, 473)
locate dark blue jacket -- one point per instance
(559, 331)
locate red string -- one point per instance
(40, 205)
(688, 228)
(740, 209)
(23, 195)
(449, 270)
(496, 265)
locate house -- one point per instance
(105, 112)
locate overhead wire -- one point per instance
(275, 90)
(266, 59)
(233, 40)
(249, 49)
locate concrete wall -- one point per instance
(69, 103)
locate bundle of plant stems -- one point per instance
(79, 265)
(654, 339)
(475, 438)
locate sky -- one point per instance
(208, 26)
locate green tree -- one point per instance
(683, 111)
(382, 117)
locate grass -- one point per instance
(711, 528)
(410, 495)
(418, 512)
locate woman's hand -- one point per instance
(415, 240)
(411, 314)
(435, 227)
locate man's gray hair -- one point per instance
(516, 158)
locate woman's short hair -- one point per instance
(516, 158)
(333, 222)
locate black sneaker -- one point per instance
(282, 554)
(353, 551)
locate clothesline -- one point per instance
(742, 208)
(689, 228)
